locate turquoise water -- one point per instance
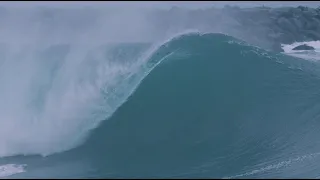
(197, 106)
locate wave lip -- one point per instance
(65, 92)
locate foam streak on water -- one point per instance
(11, 169)
(279, 165)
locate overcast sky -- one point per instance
(157, 4)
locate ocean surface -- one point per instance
(76, 104)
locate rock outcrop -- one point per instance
(303, 47)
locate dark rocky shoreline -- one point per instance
(284, 25)
(267, 27)
(263, 26)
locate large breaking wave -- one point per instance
(198, 105)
